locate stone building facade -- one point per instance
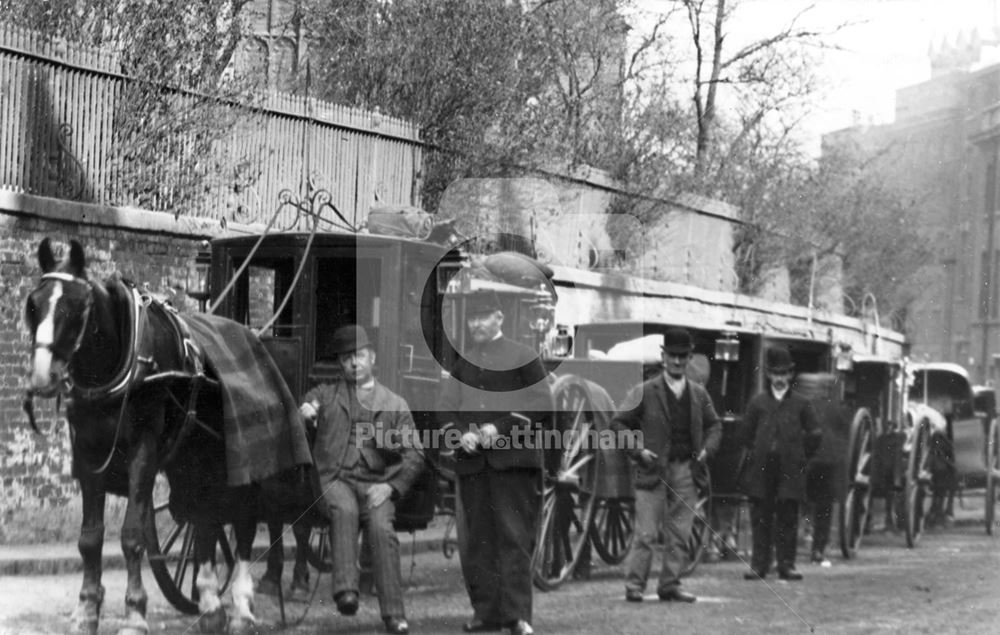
(945, 143)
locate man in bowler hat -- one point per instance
(360, 481)
(680, 428)
(497, 397)
(781, 431)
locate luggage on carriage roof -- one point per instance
(400, 220)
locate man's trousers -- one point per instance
(348, 504)
(670, 505)
(501, 509)
(775, 523)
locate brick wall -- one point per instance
(38, 498)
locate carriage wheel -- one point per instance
(568, 496)
(701, 531)
(611, 532)
(917, 487)
(992, 475)
(318, 553)
(853, 515)
(170, 548)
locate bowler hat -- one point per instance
(482, 301)
(350, 338)
(779, 360)
(677, 341)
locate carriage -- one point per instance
(295, 289)
(915, 435)
(969, 450)
(614, 355)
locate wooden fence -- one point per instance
(59, 137)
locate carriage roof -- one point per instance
(658, 325)
(868, 358)
(940, 367)
(326, 239)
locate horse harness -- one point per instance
(139, 366)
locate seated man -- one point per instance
(358, 480)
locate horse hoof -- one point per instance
(297, 593)
(134, 627)
(85, 626)
(242, 627)
(266, 586)
(213, 622)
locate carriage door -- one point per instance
(262, 290)
(354, 285)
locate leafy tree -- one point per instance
(860, 208)
(495, 87)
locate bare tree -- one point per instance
(767, 76)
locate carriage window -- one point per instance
(348, 291)
(261, 289)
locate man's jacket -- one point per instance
(488, 383)
(651, 417)
(788, 428)
(401, 463)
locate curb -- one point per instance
(72, 563)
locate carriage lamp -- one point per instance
(541, 312)
(727, 348)
(562, 343)
(844, 360)
(198, 281)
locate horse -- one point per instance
(135, 408)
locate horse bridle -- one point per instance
(113, 388)
(88, 303)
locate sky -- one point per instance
(884, 48)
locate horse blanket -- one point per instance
(264, 432)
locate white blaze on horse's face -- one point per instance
(44, 375)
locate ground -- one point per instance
(949, 584)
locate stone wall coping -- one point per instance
(127, 218)
(645, 287)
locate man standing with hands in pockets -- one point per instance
(782, 432)
(680, 428)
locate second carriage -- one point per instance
(919, 431)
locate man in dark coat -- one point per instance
(360, 478)
(497, 397)
(679, 427)
(781, 432)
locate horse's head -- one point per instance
(56, 315)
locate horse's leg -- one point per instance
(300, 575)
(141, 475)
(212, 615)
(91, 542)
(245, 527)
(270, 583)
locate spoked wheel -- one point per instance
(853, 515)
(917, 486)
(701, 531)
(170, 546)
(568, 496)
(992, 475)
(611, 531)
